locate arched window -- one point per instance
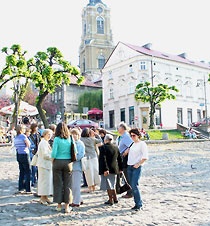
(101, 61)
(100, 25)
(85, 29)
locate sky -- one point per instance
(172, 26)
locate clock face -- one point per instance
(100, 10)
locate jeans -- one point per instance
(34, 175)
(134, 176)
(25, 172)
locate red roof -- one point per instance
(167, 56)
(86, 82)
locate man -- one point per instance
(124, 143)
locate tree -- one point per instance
(91, 99)
(50, 72)
(154, 96)
(15, 70)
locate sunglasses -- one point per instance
(133, 135)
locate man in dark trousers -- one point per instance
(124, 143)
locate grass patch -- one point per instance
(172, 134)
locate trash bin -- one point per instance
(165, 136)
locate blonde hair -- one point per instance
(75, 131)
(46, 131)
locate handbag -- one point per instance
(73, 151)
(85, 165)
(34, 160)
(122, 185)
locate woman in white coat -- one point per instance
(44, 163)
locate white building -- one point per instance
(129, 65)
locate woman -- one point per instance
(34, 139)
(137, 155)
(44, 164)
(62, 167)
(110, 163)
(77, 169)
(22, 144)
(90, 141)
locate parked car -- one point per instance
(200, 122)
(82, 123)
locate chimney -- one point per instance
(147, 46)
(183, 55)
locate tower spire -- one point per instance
(94, 2)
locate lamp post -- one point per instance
(205, 99)
(16, 99)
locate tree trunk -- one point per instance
(152, 116)
(40, 109)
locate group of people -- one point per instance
(60, 176)
(190, 133)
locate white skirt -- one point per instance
(92, 173)
(45, 181)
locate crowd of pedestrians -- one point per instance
(56, 173)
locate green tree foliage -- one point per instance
(91, 99)
(15, 70)
(154, 96)
(46, 70)
(50, 72)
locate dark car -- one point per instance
(200, 122)
(82, 123)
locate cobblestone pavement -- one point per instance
(175, 188)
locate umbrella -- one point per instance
(95, 111)
(25, 109)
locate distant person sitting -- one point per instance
(144, 134)
(189, 133)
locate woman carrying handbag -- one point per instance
(137, 155)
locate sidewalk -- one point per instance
(175, 188)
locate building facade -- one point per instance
(66, 97)
(130, 65)
(96, 41)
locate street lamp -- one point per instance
(16, 99)
(17, 90)
(205, 99)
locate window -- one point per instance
(85, 29)
(198, 114)
(122, 114)
(188, 91)
(130, 69)
(111, 93)
(143, 65)
(131, 88)
(53, 97)
(59, 95)
(131, 115)
(83, 65)
(101, 61)
(100, 25)
(111, 119)
(110, 75)
(189, 116)
(158, 116)
(179, 116)
(56, 97)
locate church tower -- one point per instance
(96, 42)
